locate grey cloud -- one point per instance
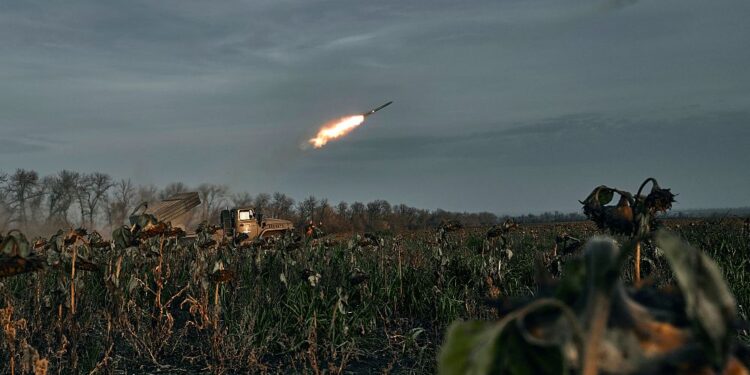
(505, 95)
(617, 4)
(9, 146)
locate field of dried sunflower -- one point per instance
(150, 301)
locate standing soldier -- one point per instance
(312, 231)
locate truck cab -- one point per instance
(247, 222)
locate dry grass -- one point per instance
(378, 304)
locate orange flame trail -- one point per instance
(337, 129)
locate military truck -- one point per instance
(247, 223)
(239, 224)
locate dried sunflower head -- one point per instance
(617, 218)
(659, 200)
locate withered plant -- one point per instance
(633, 215)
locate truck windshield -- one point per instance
(246, 214)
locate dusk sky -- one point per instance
(502, 106)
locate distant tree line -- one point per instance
(96, 200)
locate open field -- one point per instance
(353, 303)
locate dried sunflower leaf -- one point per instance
(15, 244)
(504, 347)
(709, 302)
(470, 348)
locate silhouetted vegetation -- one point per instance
(151, 299)
(41, 205)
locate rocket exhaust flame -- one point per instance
(337, 129)
(341, 127)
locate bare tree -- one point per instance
(147, 193)
(21, 187)
(3, 181)
(243, 199)
(282, 206)
(324, 211)
(306, 209)
(212, 197)
(61, 193)
(262, 202)
(120, 202)
(378, 213)
(36, 203)
(172, 189)
(82, 192)
(342, 209)
(358, 218)
(405, 217)
(4, 204)
(93, 188)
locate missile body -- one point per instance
(376, 109)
